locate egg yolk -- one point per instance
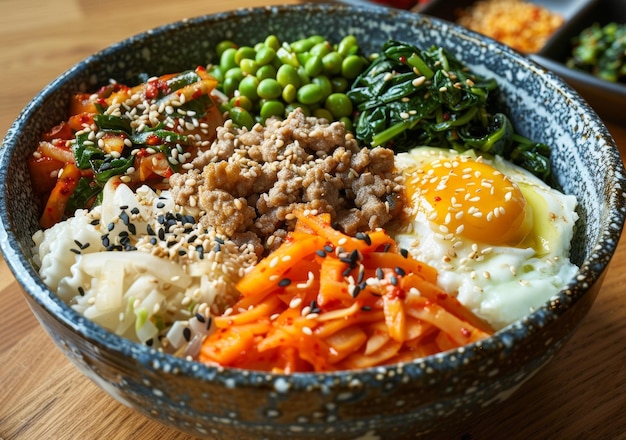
(472, 199)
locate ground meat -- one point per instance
(251, 181)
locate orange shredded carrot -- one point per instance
(326, 301)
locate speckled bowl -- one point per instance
(397, 401)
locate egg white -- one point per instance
(500, 284)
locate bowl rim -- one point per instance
(590, 270)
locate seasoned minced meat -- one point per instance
(252, 180)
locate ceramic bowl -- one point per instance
(423, 397)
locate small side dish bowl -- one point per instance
(395, 401)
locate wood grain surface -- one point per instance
(581, 394)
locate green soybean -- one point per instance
(235, 73)
(241, 101)
(249, 66)
(271, 108)
(264, 55)
(244, 52)
(272, 41)
(287, 74)
(303, 45)
(339, 105)
(227, 60)
(230, 85)
(289, 93)
(332, 63)
(324, 83)
(241, 117)
(314, 66)
(269, 88)
(310, 93)
(266, 71)
(348, 46)
(248, 87)
(352, 66)
(321, 49)
(339, 84)
(323, 113)
(223, 45)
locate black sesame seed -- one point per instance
(160, 205)
(387, 247)
(187, 333)
(76, 251)
(105, 240)
(379, 273)
(393, 280)
(355, 291)
(161, 234)
(328, 248)
(200, 317)
(182, 252)
(401, 272)
(208, 323)
(125, 218)
(320, 253)
(404, 253)
(150, 230)
(135, 211)
(153, 241)
(78, 243)
(346, 272)
(366, 308)
(81, 291)
(218, 247)
(219, 240)
(123, 207)
(363, 236)
(132, 229)
(111, 226)
(150, 342)
(284, 282)
(95, 222)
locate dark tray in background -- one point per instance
(608, 99)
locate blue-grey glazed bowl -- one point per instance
(421, 398)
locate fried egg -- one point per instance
(498, 236)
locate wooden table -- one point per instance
(579, 395)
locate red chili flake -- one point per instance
(446, 116)
(402, 59)
(465, 332)
(153, 140)
(437, 199)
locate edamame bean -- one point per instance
(310, 93)
(266, 71)
(294, 105)
(271, 108)
(332, 63)
(235, 73)
(242, 101)
(287, 57)
(348, 46)
(339, 105)
(352, 66)
(347, 122)
(265, 55)
(241, 117)
(321, 49)
(339, 84)
(244, 52)
(324, 84)
(289, 93)
(272, 41)
(269, 88)
(230, 85)
(287, 74)
(313, 66)
(223, 45)
(216, 72)
(227, 60)
(248, 87)
(323, 113)
(303, 45)
(249, 66)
